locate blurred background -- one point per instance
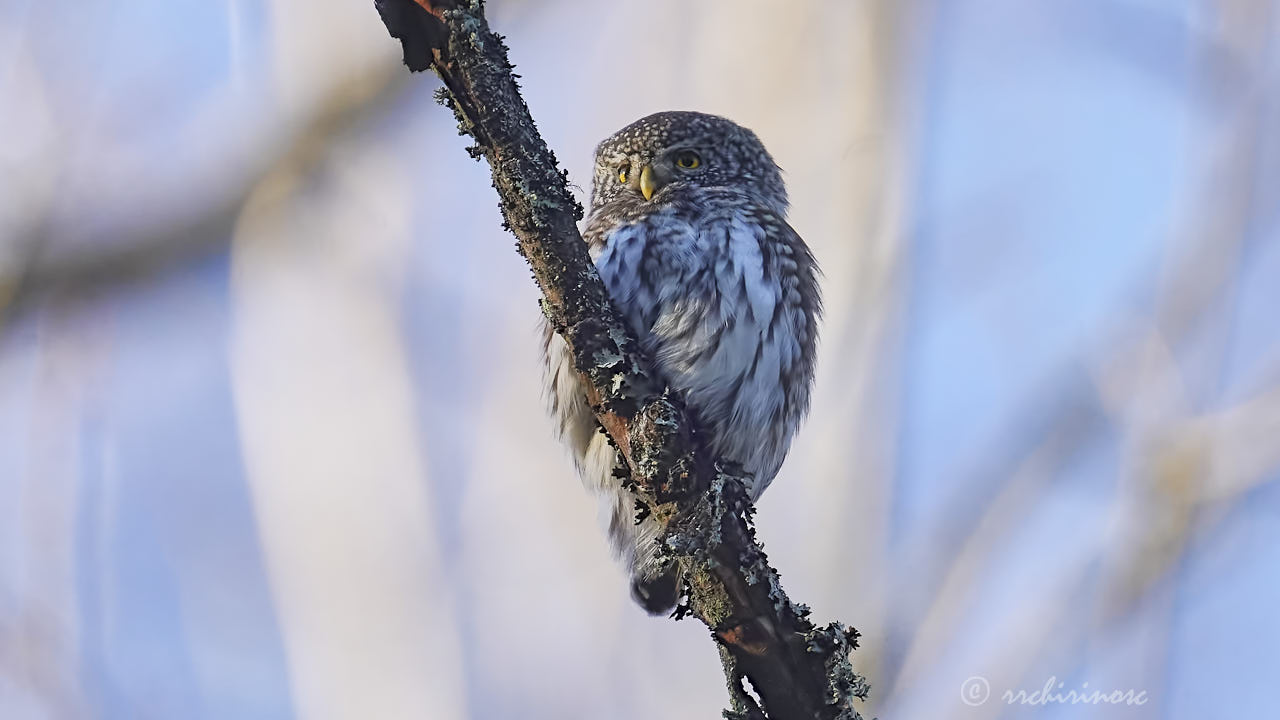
(272, 442)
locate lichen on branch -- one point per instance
(798, 670)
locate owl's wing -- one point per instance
(566, 396)
(654, 584)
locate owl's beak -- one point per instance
(648, 183)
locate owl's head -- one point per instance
(657, 157)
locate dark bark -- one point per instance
(798, 670)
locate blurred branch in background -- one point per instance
(1153, 383)
(32, 268)
(47, 615)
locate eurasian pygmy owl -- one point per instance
(687, 226)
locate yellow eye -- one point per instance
(688, 160)
(622, 175)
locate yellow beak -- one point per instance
(647, 184)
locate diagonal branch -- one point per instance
(797, 669)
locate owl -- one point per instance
(687, 227)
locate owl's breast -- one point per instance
(645, 265)
(707, 294)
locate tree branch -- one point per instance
(799, 671)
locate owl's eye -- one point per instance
(622, 174)
(688, 160)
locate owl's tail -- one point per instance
(657, 594)
(655, 581)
